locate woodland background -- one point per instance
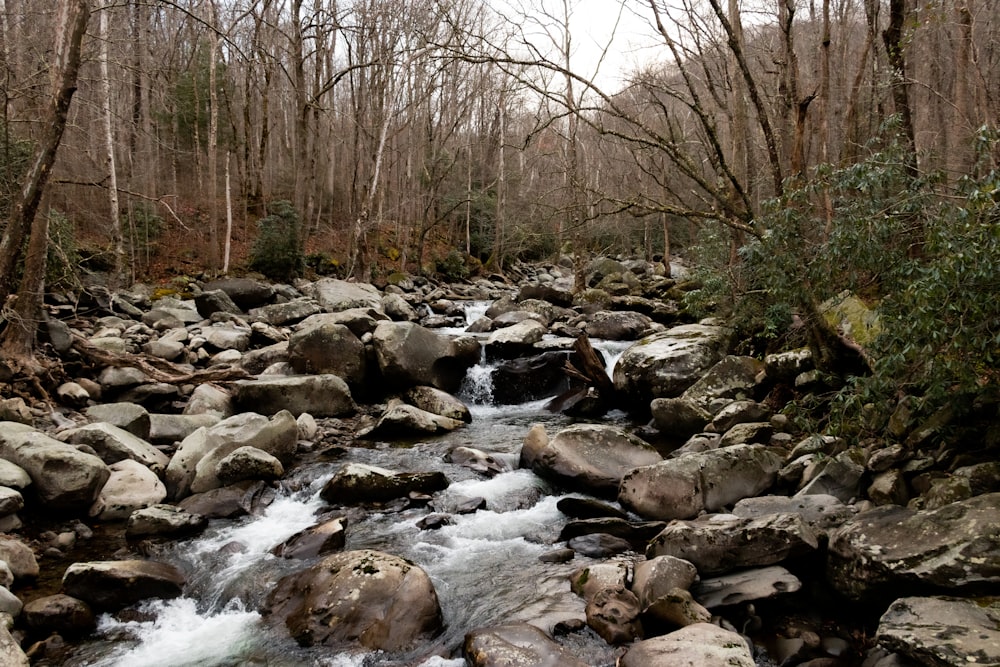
(790, 149)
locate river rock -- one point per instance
(131, 486)
(225, 503)
(516, 340)
(193, 468)
(63, 478)
(59, 613)
(11, 653)
(614, 615)
(438, 402)
(285, 313)
(943, 631)
(168, 429)
(666, 363)
(327, 347)
(838, 476)
(209, 399)
(721, 543)
(410, 355)
(114, 444)
(617, 325)
(675, 609)
(226, 336)
(529, 378)
(403, 420)
(335, 295)
(380, 601)
(164, 521)
(477, 460)
(731, 379)
(821, 512)
(589, 581)
(359, 483)
(592, 458)
(683, 487)
(318, 540)
(745, 586)
(516, 645)
(19, 557)
(128, 416)
(319, 395)
(599, 545)
(698, 644)
(248, 462)
(113, 585)
(245, 293)
(209, 302)
(678, 418)
(748, 433)
(637, 533)
(656, 577)
(895, 551)
(740, 412)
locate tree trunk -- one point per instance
(117, 242)
(18, 339)
(894, 44)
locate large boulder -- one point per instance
(405, 420)
(732, 379)
(409, 355)
(722, 543)
(515, 340)
(113, 585)
(592, 457)
(361, 483)
(516, 645)
(129, 416)
(131, 486)
(63, 477)
(683, 487)
(334, 295)
(327, 347)
(745, 586)
(657, 576)
(245, 293)
(943, 631)
(380, 601)
(194, 466)
(439, 402)
(529, 378)
(319, 395)
(666, 363)
(114, 444)
(890, 551)
(697, 644)
(617, 325)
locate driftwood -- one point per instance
(591, 373)
(159, 370)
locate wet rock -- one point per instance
(131, 486)
(745, 586)
(403, 420)
(516, 645)
(614, 615)
(599, 545)
(943, 631)
(374, 599)
(698, 644)
(592, 458)
(163, 521)
(61, 614)
(636, 533)
(535, 441)
(588, 508)
(359, 483)
(328, 536)
(514, 341)
(667, 363)
(128, 416)
(722, 543)
(114, 444)
(530, 378)
(658, 576)
(225, 503)
(113, 585)
(410, 355)
(248, 463)
(326, 347)
(558, 556)
(893, 551)
(683, 487)
(63, 478)
(319, 395)
(434, 521)
(435, 401)
(193, 468)
(477, 460)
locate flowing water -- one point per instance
(484, 566)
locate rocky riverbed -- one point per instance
(698, 525)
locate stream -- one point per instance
(485, 566)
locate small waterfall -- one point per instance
(612, 350)
(477, 386)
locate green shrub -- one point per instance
(276, 251)
(452, 267)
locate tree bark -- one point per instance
(17, 342)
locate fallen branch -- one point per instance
(159, 370)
